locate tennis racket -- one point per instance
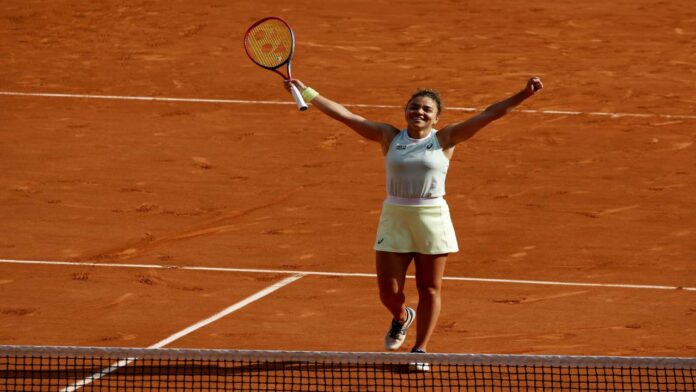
(270, 44)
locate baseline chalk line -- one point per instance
(348, 274)
(255, 102)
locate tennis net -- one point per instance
(69, 369)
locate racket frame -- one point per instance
(301, 104)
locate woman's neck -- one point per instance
(418, 133)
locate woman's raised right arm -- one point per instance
(375, 131)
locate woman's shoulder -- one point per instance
(392, 134)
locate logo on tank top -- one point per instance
(429, 146)
(401, 147)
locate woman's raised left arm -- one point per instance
(453, 134)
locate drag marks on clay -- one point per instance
(80, 276)
(215, 230)
(192, 30)
(287, 231)
(119, 337)
(25, 189)
(681, 233)
(18, 311)
(475, 336)
(173, 113)
(665, 187)
(534, 299)
(347, 48)
(610, 211)
(523, 253)
(202, 163)
(149, 279)
(543, 348)
(147, 207)
(70, 253)
(243, 136)
(216, 226)
(506, 195)
(154, 278)
(119, 301)
(331, 142)
(40, 192)
(682, 146)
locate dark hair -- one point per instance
(430, 93)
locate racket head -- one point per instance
(270, 43)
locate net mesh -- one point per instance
(269, 43)
(27, 368)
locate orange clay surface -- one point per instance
(588, 198)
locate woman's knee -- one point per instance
(429, 291)
(389, 296)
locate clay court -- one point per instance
(155, 177)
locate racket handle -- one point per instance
(301, 104)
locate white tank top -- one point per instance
(416, 168)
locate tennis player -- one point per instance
(415, 223)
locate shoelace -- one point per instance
(396, 329)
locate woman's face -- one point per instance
(421, 113)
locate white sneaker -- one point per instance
(422, 367)
(397, 332)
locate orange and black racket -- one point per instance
(270, 43)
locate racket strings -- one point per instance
(270, 43)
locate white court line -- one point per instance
(347, 274)
(233, 308)
(252, 102)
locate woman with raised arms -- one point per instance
(415, 223)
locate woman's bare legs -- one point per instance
(391, 276)
(429, 272)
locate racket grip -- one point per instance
(301, 104)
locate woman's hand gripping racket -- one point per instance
(270, 43)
